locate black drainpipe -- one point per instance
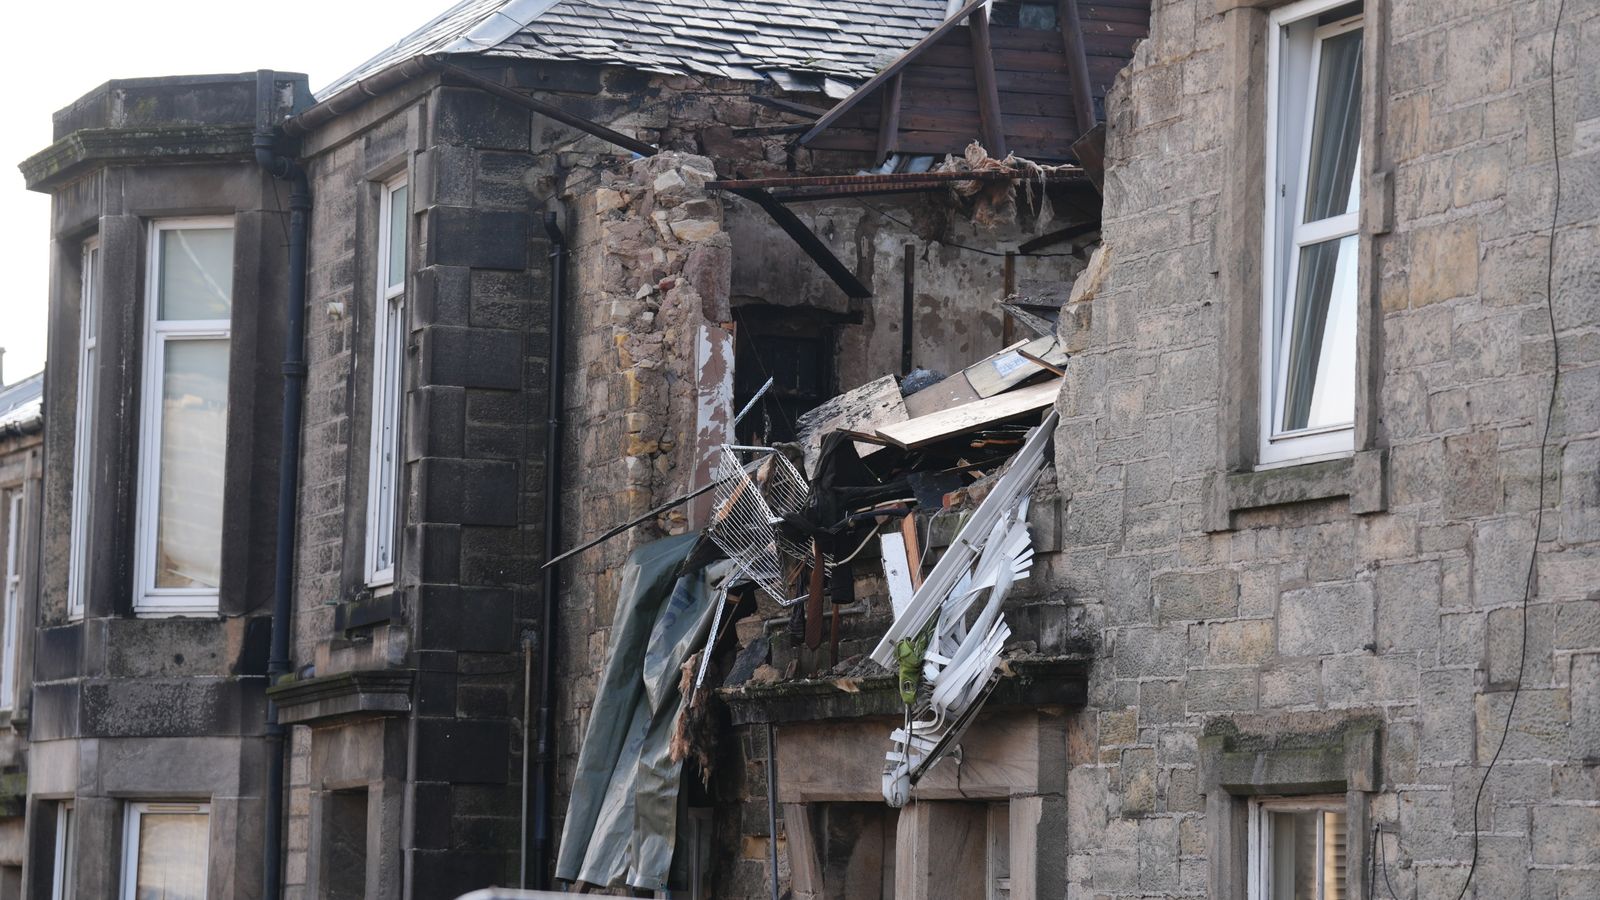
(294, 379)
(544, 786)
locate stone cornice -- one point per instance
(343, 696)
(87, 148)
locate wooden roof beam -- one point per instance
(994, 132)
(889, 120)
(808, 241)
(889, 71)
(1077, 64)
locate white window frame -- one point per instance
(1259, 855)
(13, 601)
(64, 861)
(129, 889)
(1284, 234)
(149, 600)
(83, 430)
(388, 390)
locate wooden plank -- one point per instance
(865, 408)
(924, 430)
(805, 866)
(896, 570)
(1077, 64)
(953, 391)
(889, 71)
(994, 132)
(908, 534)
(889, 120)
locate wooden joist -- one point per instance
(1077, 63)
(994, 132)
(889, 120)
(809, 242)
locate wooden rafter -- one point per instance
(889, 120)
(889, 72)
(1077, 64)
(994, 132)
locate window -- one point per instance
(1308, 334)
(1297, 849)
(83, 432)
(164, 851)
(13, 599)
(183, 421)
(64, 864)
(345, 869)
(388, 383)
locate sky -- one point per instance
(60, 51)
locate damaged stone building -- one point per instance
(1193, 405)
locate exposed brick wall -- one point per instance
(1412, 612)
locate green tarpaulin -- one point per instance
(622, 820)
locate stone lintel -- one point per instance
(1295, 755)
(347, 695)
(1003, 755)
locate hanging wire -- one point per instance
(1544, 446)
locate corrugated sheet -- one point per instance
(809, 43)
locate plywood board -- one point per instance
(953, 391)
(1009, 368)
(972, 416)
(866, 408)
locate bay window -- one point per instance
(388, 383)
(83, 430)
(1308, 334)
(183, 416)
(165, 848)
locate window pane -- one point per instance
(1294, 855)
(1320, 384)
(194, 408)
(196, 273)
(1335, 130)
(172, 857)
(1333, 855)
(397, 237)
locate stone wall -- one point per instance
(1389, 590)
(648, 302)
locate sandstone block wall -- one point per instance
(1408, 609)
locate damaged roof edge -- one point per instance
(499, 25)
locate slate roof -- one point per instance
(830, 45)
(22, 404)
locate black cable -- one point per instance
(1001, 253)
(1544, 446)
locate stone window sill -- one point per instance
(1362, 477)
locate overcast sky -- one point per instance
(62, 50)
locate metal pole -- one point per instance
(772, 803)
